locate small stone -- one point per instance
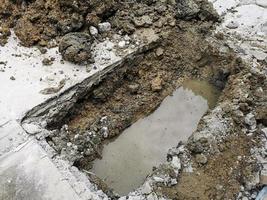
(232, 25)
(159, 52)
(104, 131)
(173, 182)
(251, 121)
(244, 107)
(12, 78)
(122, 44)
(104, 27)
(138, 22)
(133, 88)
(147, 20)
(47, 61)
(146, 189)
(156, 84)
(176, 163)
(69, 144)
(144, 21)
(93, 31)
(201, 159)
(42, 50)
(127, 38)
(259, 92)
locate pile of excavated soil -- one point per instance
(39, 22)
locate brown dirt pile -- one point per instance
(40, 21)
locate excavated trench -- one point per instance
(128, 159)
(125, 124)
(117, 129)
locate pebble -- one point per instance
(156, 84)
(93, 31)
(104, 27)
(173, 182)
(126, 38)
(159, 52)
(122, 44)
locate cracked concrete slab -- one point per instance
(28, 173)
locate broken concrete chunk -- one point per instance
(76, 47)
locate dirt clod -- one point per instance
(76, 47)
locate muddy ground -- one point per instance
(224, 167)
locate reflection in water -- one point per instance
(130, 158)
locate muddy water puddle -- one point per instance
(130, 158)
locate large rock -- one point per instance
(76, 47)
